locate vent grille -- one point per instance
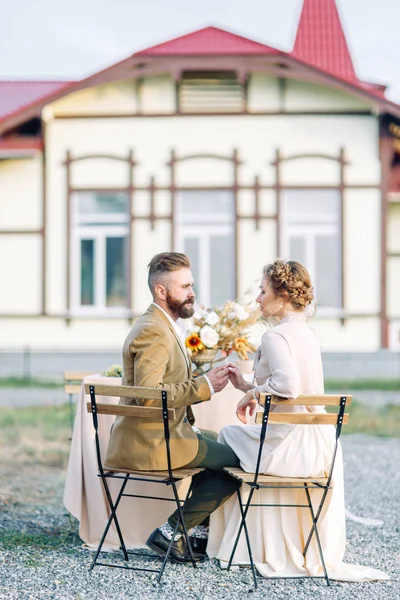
(211, 93)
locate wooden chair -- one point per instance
(72, 388)
(169, 477)
(257, 481)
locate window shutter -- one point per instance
(210, 92)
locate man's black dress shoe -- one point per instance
(199, 545)
(179, 551)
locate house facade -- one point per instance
(212, 144)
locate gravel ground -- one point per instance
(55, 566)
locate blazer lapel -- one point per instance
(161, 315)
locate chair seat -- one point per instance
(177, 473)
(266, 479)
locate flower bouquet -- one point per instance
(113, 371)
(217, 332)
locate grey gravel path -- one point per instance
(26, 572)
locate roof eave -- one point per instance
(121, 70)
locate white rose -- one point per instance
(209, 336)
(199, 313)
(224, 330)
(194, 329)
(212, 318)
(239, 313)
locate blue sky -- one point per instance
(68, 40)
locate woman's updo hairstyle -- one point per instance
(291, 281)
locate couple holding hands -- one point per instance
(287, 364)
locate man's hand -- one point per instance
(218, 377)
(246, 401)
(236, 378)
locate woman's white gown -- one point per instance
(287, 364)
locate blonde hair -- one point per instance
(291, 281)
(164, 263)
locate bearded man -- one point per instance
(154, 355)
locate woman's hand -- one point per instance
(236, 378)
(246, 401)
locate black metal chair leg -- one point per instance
(316, 517)
(314, 528)
(161, 571)
(112, 517)
(182, 521)
(244, 515)
(246, 532)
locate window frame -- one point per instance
(188, 225)
(97, 228)
(321, 225)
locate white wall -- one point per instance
(362, 251)
(21, 193)
(301, 95)
(357, 335)
(120, 97)
(21, 274)
(256, 137)
(157, 95)
(263, 93)
(147, 243)
(393, 270)
(21, 255)
(53, 333)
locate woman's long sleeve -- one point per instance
(284, 380)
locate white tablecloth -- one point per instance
(84, 496)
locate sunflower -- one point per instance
(194, 343)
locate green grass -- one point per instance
(49, 419)
(330, 384)
(383, 422)
(386, 385)
(36, 434)
(32, 382)
(41, 541)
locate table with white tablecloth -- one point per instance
(84, 495)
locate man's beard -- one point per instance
(183, 310)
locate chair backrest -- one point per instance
(128, 410)
(337, 418)
(306, 418)
(153, 413)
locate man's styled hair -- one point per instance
(164, 263)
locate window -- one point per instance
(211, 92)
(99, 257)
(311, 234)
(205, 232)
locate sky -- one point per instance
(53, 39)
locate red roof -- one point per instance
(17, 94)
(210, 40)
(320, 46)
(321, 43)
(18, 145)
(320, 40)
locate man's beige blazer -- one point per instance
(153, 356)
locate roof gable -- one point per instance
(209, 40)
(14, 95)
(320, 39)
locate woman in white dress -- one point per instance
(287, 364)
